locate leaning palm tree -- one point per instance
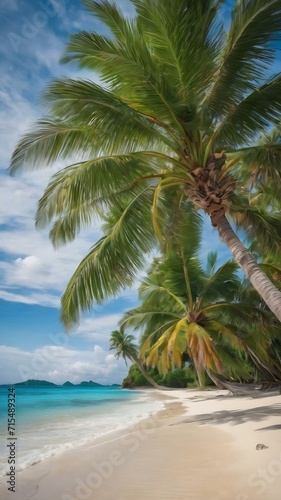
(124, 346)
(185, 108)
(187, 313)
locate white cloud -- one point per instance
(49, 58)
(16, 115)
(98, 328)
(31, 261)
(60, 363)
(82, 20)
(19, 95)
(19, 196)
(53, 268)
(42, 270)
(42, 299)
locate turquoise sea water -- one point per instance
(52, 419)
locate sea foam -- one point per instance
(80, 416)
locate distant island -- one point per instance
(45, 383)
(35, 383)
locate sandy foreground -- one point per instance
(203, 446)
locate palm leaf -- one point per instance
(234, 367)
(177, 344)
(86, 117)
(87, 102)
(139, 318)
(96, 183)
(201, 349)
(177, 50)
(112, 262)
(259, 224)
(247, 53)
(157, 291)
(51, 140)
(138, 68)
(222, 284)
(238, 313)
(260, 164)
(254, 113)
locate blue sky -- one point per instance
(33, 275)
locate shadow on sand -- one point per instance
(236, 417)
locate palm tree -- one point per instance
(187, 313)
(186, 110)
(125, 347)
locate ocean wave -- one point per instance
(51, 435)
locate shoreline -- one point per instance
(202, 445)
(53, 432)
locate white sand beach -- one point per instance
(202, 446)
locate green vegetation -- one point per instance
(206, 317)
(180, 377)
(125, 347)
(185, 117)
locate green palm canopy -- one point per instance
(124, 347)
(205, 316)
(185, 115)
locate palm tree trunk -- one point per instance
(266, 289)
(148, 378)
(261, 365)
(221, 384)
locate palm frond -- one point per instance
(212, 259)
(140, 317)
(156, 292)
(111, 15)
(185, 228)
(95, 184)
(152, 356)
(247, 53)
(137, 73)
(50, 141)
(85, 123)
(124, 345)
(234, 367)
(260, 164)
(254, 113)
(222, 284)
(112, 262)
(85, 101)
(201, 349)
(272, 271)
(177, 50)
(259, 224)
(238, 313)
